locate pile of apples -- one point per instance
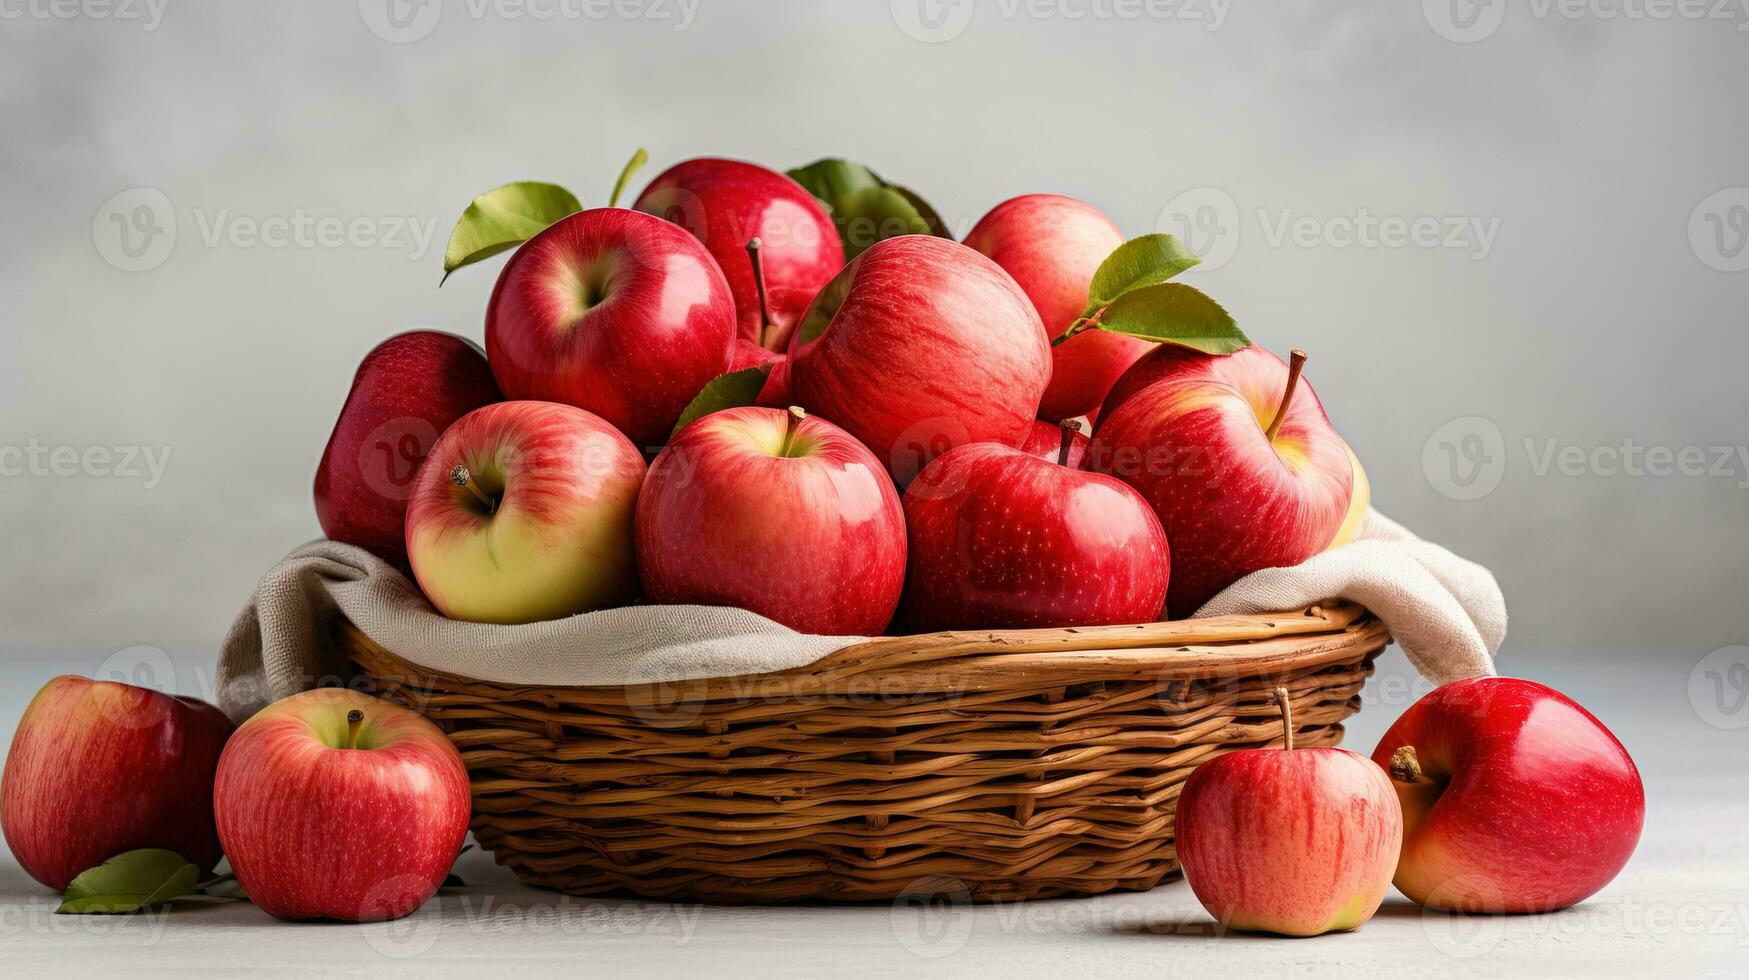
(794, 394)
(699, 400)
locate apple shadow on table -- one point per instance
(1203, 927)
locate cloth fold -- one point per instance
(1446, 613)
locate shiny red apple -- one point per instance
(1052, 245)
(1235, 455)
(726, 204)
(921, 344)
(616, 312)
(778, 512)
(335, 805)
(523, 512)
(98, 768)
(1291, 841)
(406, 392)
(1515, 799)
(1000, 538)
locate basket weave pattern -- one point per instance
(1018, 764)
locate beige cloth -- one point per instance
(1447, 613)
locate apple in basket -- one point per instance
(778, 512)
(333, 804)
(613, 311)
(1515, 799)
(918, 345)
(1051, 245)
(406, 392)
(1002, 539)
(1235, 455)
(523, 512)
(98, 768)
(729, 205)
(1292, 841)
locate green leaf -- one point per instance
(733, 390)
(505, 217)
(1139, 262)
(129, 882)
(1171, 313)
(635, 164)
(865, 207)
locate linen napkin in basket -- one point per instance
(1446, 613)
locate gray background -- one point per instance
(1590, 320)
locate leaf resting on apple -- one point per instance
(737, 389)
(1145, 261)
(1130, 295)
(505, 217)
(131, 881)
(866, 208)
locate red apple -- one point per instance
(921, 344)
(523, 512)
(1291, 841)
(405, 393)
(1236, 456)
(1046, 442)
(726, 203)
(778, 512)
(335, 805)
(613, 311)
(1052, 245)
(1515, 799)
(748, 354)
(98, 768)
(1001, 539)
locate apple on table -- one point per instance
(1296, 841)
(779, 512)
(524, 511)
(335, 805)
(98, 768)
(1515, 798)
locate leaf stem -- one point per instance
(1296, 362)
(1287, 718)
(1406, 765)
(794, 423)
(462, 478)
(354, 719)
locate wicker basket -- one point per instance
(1018, 764)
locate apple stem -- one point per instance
(796, 415)
(354, 718)
(1296, 361)
(462, 478)
(1287, 718)
(1071, 428)
(753, 255)
(1406, 765)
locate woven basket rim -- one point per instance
(1190, 649)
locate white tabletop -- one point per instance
(1681, 906)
